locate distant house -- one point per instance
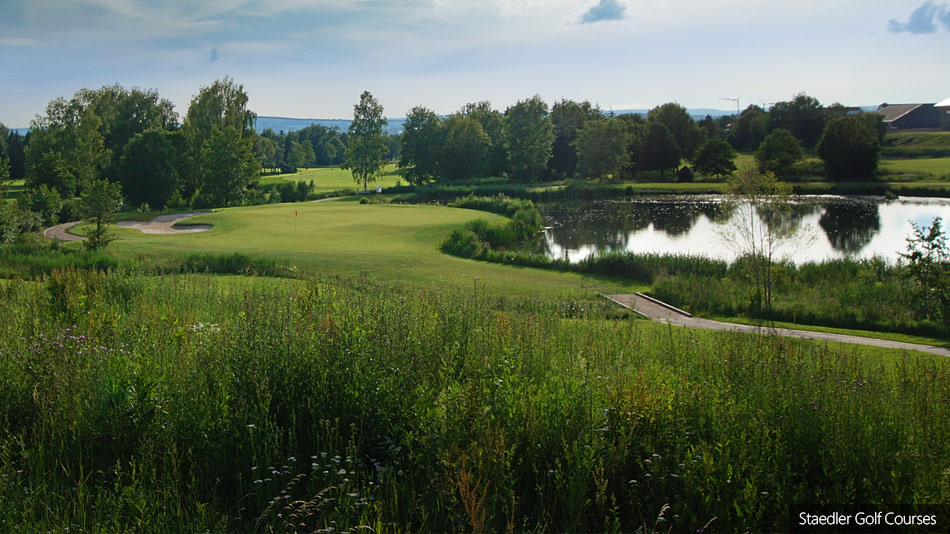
(943, 109)
(910, 116)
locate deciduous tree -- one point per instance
(849, 148)
(716, 157)
(465, 147)
(365, 145)
(755, 223)
(803, 116)
(530, 137)
(779, 152)
(493, 122)
(688, 135)
(568, 118)
(659, 151)
(99, 201)
(421, 137)
(601, 147)
(147, 170)
(228, 167)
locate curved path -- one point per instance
(59, 232)
(163, 224)
(660, 311)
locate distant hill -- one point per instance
(287, 124)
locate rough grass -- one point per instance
(182, 404)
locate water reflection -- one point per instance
(839, 226)
(850, 224)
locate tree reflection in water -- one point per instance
(850, 223)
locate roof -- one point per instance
(892, 112)
(943, 103)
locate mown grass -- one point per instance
(178, 404)
(925, 167)
(392, 243)
(329, 179)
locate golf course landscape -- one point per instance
(480, 323)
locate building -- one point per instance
(911, 116)
(943, 109)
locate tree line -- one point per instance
(530, 141)
(212, 156)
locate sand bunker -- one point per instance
(165, 224)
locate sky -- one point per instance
(313, 58)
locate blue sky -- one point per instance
(302, 58)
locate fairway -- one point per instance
(392, 243)
(326, 179)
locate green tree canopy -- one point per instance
(849, 148)
(493, 122)
(366, 145)
(749, 129)
(659, 151)
(66, 150)
(530, 138)
(779, 152)
(803, 116)
(221, 105)
(228, 167)
(421, 137)
(601, 146)
(465, 148)
(681, 126)
(716, 157)
(568, 118)
(44, 201)
(635, 133)
(147, 169)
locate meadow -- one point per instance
(220, 404)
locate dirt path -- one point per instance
(659, 311)
(165, 224)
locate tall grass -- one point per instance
(130, 403)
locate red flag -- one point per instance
(295, 213)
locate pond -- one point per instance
(831, 226)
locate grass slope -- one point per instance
(394, 243)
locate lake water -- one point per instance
(832, 226)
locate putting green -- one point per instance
(393, 243)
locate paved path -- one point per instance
(659, 311)
(59, 232)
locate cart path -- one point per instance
(59, 232)
(662, 312)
